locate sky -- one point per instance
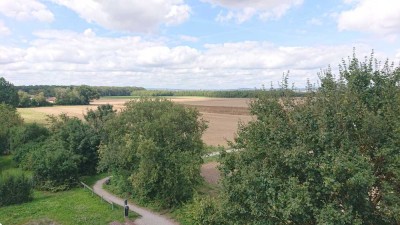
(190, 44)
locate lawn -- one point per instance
(76, 206)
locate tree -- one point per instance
(8, 94)
(70, 152)
(81, 95)
(87, 94)
(79, 139)
(332, 158)
(54, 168)
(8, 119)
(154, 150)
(97, 118)
(39, 100)
(24, 99)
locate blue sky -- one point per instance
(189, 44)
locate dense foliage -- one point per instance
(15, 189)
(154, 150)
(9, 118)
(50, 90)
(97, 118)
(24, 140)
(26, 100)
(81, 95)
(68, 153)
(332, 158)
(8, 93)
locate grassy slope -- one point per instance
(76, 206)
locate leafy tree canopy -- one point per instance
(9, 118)
(8, 93)
(81, 95)
(330, 158)
(154, 148)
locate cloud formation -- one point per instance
(66, 57)
(243, 10)
(130, 15)
(381, 17)
(4, 30)
(25, 10)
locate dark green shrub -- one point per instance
(15, 189)
(55, 169)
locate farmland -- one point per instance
(222, 114)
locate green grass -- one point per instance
(8, 165)
(31, 116)
(76, 206)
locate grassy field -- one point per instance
(76, 206)
(31, 115)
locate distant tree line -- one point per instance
(50, 90)
(209, 93)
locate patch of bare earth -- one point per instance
(210, 172)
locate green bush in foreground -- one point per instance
(15, 188)
(333, 158)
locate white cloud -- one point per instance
(26, 10)
(66, 57)
(4, 30)
(381, 17)
(130, 15)
(243, 10)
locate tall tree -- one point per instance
(331, 158)
(8, 93)
(154, 148)
(9, 118)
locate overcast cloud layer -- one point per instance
(199, 44)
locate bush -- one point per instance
(15, 189)
(24, 139)
(332, 158)
(55, 169)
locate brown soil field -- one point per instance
(222, 114)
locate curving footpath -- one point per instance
(147, 217)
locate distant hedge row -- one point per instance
(15, 189)
(213, 94)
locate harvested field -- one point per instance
(222, 114)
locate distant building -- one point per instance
(51, 99)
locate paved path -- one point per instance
(211, 154)
(148, 217)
